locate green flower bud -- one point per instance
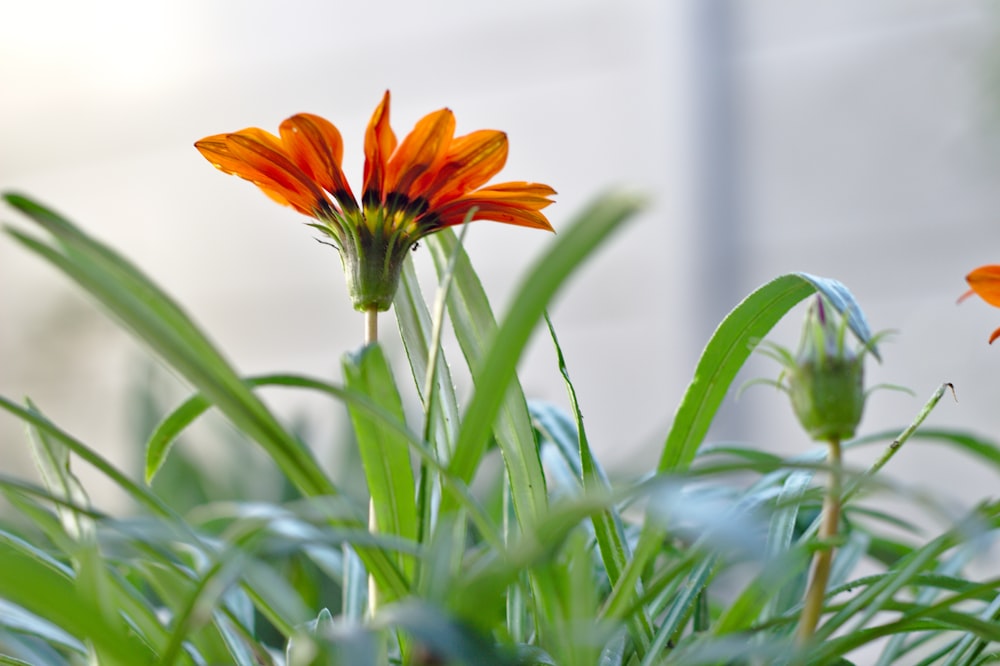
(826, 380)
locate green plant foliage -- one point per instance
(556, 561)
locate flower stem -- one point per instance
(371, 326)
(823, 559)
(371, 337)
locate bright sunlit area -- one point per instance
(522, 497)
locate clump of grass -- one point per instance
(547, 567)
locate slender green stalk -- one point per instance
(371, 326)
(897, 443)
(371, 337)
(823, 559)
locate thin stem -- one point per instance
(371, 337)
(371, 326)
(373, 596)
(899, 441)
(823, 559)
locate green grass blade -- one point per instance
(780, 535)
(384, 451)
(868, 602)
(169, 429)
(18, 621)
(183, 416)
(446, 640)
(916, 617)
(416, 328)
(139, 494)
(495, 355)
(157, 320)
(971, 646)
(421, 337)
(952, 565)
(974, 444)
(154, 318)
(140, 613)
(52, 460)
(608, 530)
(731, 345)
(31, 583)
(475, 327)
(681, 607)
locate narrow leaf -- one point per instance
(384, 451)
(731, 345)
(497, 392)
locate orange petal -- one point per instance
(996, 334)
(264, 163)
(527, 189)
(471, 161)
(316, 147)
(416, 160)
(534, 196)
(380, 142)
(216, 151)
(985, 281)
(486, 209)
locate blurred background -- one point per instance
(853, 139)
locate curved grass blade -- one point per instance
(56, 596)
(52, 460)
(194, 406)
(864, 605)
(681, 607)
(169, 429)
(494, 366)
(974, 444)
(608, 529)
(156, 319)
(474, 326)
(417, 330)
(446, 639)
(421, 337)
(140, 495)
(731, 345)
(16, 619)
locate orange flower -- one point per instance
(431, 180)
(985, 281)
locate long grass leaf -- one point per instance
(384, 451)
(731, 345)
(155, 319)
(195, 406)
(494, 365)
(158, 321)
(55, 596)
(608, 530)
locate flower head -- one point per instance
(985, 281)
(826, 383)
(825, 378)
(428, 181)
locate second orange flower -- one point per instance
(985, 282)
(429, 181)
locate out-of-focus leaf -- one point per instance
(29, 582)
(159, 322)
(443, 638)
(384, 452)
